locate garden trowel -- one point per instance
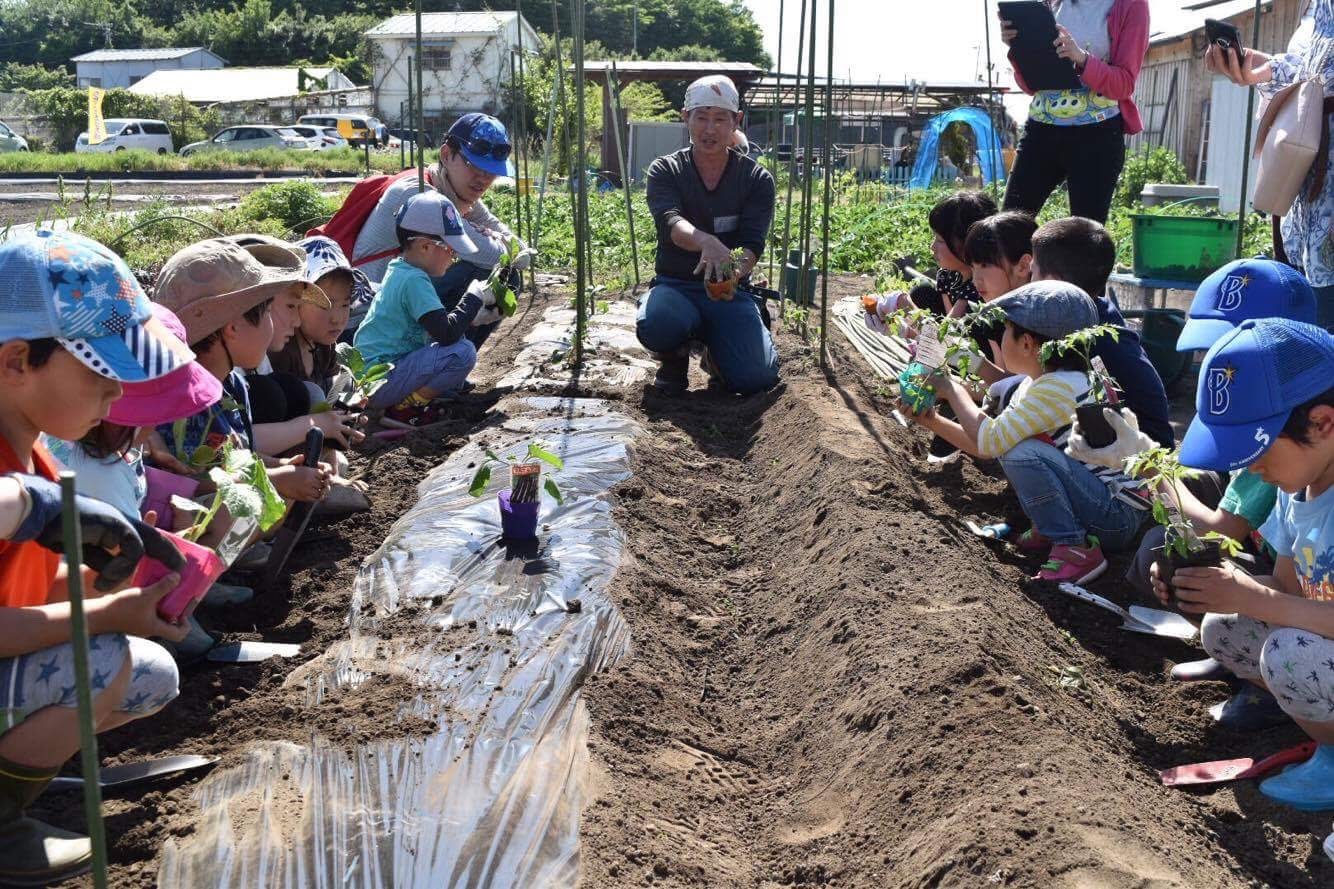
(134, 772)
(1150, 621)
(297, 518)
(1223, 770)
(251, 652)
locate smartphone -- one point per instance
(1225, 36)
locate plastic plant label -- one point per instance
(1098, 366)
(930, 350)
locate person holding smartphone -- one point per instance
(1077, 136)
(1308, 227)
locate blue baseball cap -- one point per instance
(1251, 380)
(484, 142)
(431, 213)
(68, 287)
(1242, 290)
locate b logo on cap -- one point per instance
(1230, 294)
(1220, 378)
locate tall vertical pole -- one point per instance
(514, 136)
(792, 161)
(776, 112)
(421, 105)
(1246, 145)
(412, 119)
(997, 163)
(92, 789)
(402, 143)
(581, 201)
(522, 143)
(807, 216)
(828, 189)
(615, 87)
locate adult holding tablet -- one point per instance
(1076, 133)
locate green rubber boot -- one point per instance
(33, 853)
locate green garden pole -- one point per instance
(412, 121)
(776, 112)
(581, 198)
(828, 191)
(92, 789)
(991, 112)
(421, 105)
(514, 125)
(1246, 145)
(807, 217)
(614, 85)
(792, 162)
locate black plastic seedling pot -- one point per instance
(1169, 563)
(1094, 426)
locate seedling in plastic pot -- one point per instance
(1097, 431)
(506, 300)
(523, 482)
(356, 383)
(243, 487)
(728, 273)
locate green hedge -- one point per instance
(339, 160)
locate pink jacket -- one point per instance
(1128, 24)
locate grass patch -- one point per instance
(340, 160)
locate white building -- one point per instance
(241, 84)
(112, 68)
(466, 62)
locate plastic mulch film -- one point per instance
(497, 641)
(612, 352)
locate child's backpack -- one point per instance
(347, 223)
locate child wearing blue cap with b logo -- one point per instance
(1266, 401)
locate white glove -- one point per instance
(488, 315)
(1129, 441)
(482, 290)
(524, 259)
(876, 323)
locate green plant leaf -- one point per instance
(350, 356)
(537, 452)
(492, 455)
(480, 480)
(204, 455)
(550, 486)
(321, 407)
(1160, 512)
(272, 507)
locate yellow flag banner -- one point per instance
(97, 127)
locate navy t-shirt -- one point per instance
(1136, 378)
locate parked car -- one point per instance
(10, 140)
(250, 137)
(126, 133)
(336, 141)
(363, 126)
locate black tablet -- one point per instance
(1034, 50)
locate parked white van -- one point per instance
(124, 134)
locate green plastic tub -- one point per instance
(1182, 248)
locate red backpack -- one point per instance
(347, 223)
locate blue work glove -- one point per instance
(112, 543)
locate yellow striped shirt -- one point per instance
(1040, 406)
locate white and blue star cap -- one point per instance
(431, 213)
(1250, 382)
(68, 287)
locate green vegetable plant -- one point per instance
(506, 300)
(204, 455)
(361, 381)
(242, 485)
(523, 487)
(1082, 343)
(1162, 472)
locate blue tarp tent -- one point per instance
(984, 132)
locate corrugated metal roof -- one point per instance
(442, 24)
(136, 55)
(225, 84)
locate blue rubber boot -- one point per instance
(1252, 709)
(1309, 786)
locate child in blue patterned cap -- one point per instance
(1265, 401)
(74, 326)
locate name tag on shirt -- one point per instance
(724, 224)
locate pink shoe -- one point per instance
(1074, 564)
(1032, 542)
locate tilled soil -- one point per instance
(832, 682)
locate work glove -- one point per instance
(488, 315)
(1129, 441)
(105, 529)
(482, 290)
(524, 259)
(876, 308)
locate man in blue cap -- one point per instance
(1266, 401)
(710, 203)
(474, 152)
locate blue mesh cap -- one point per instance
(1250, 381)
(68, 287)
(1242, 290)
(480, 137)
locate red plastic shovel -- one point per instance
(1224, 770)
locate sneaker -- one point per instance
(941, 451)
(673, 373)
(1309, 786)
(1032, 542)
(1073, 564)
(403, 417)
(1206, 670)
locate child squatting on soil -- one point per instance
(1265, 402)
(1075, 509)
(74, 326)
(408, 327)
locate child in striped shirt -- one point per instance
(1075, 508)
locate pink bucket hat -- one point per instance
(185, 391)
